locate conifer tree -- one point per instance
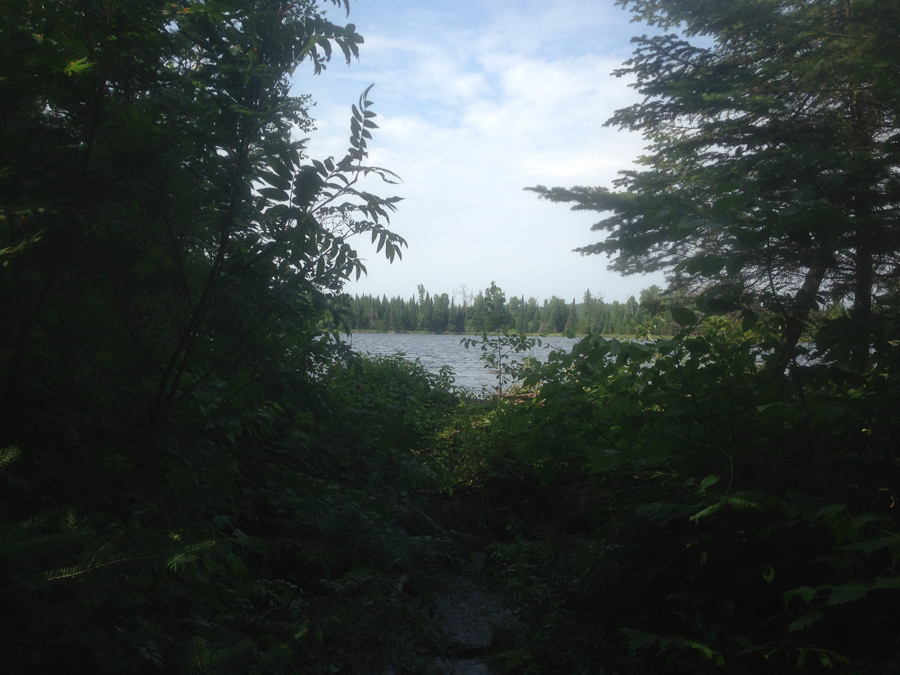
(571, 317)
(772, 168)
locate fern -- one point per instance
(271, 659)
(149, 653)
(9, 455)
(188, 554)
(107, 554)
(207, 659)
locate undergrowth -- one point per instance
(300, 544)
(683, 506)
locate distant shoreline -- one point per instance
(476, 334)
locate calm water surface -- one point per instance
(435, 351)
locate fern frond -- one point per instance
(204, 659)
(200, 653)
(269, 660)
(188, 554)
(9, 455)
(150, 653)
(15, 539)
(69, 572)
(108, 545)
(64, 573)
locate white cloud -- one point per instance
(470, 112)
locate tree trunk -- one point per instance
(795, 317)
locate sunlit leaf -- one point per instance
(709, 481)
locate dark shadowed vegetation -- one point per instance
(196, 476)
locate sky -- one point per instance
(475, 101)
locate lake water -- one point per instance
(435, 351)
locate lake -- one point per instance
(435, 351)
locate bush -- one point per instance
(290, 536)
(741, 515)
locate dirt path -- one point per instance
(467, 611)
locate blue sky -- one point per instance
(475, 101)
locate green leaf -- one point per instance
(709, 510)
(871, 544)
(275, 180)
(859, 521)
(238, 566)
(805, 621)
(274, 194)
(830, 510)
(638, 639)
(279, 168)
(717, 306)
(705, 265)
(847, 593)
(769, 574)
(706, 651)
(708, 481)
(742, 503)
(722, 206)
(805, 592)
(725, 188)
(749, 321)
(684, 316)
(78, 66)
(885, 582)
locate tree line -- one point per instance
(491, 310)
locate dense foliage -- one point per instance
(736, 486)
(189, 480)
(701, 508)
(195, 476)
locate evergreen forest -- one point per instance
(440, 313)
(198, 476)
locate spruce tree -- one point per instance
(771, 173)
(571, 317)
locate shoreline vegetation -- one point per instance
(534, 335)
(487, 309)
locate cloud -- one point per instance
(472, 111)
